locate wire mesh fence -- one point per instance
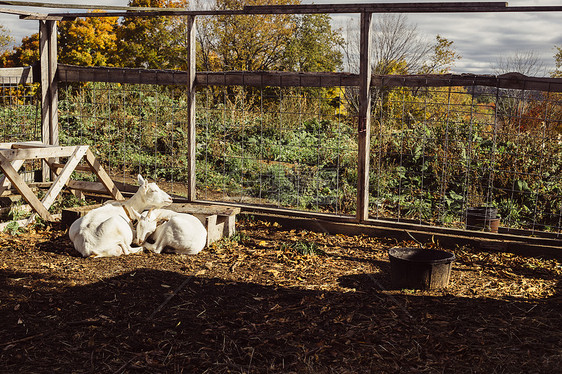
(439, 151)
(131, 128)
(289, 147)
(20, 116)
(435, 151)
(20, 110)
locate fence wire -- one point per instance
(435, 151)
(290, 147)
(20, 118)
(439, 151)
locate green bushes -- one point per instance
(433, 152)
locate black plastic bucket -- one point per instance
(420, 268)
(482, 218)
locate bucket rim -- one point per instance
(421, 255)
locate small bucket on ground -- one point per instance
(420, 268)
(482, 218)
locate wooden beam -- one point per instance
(491, 242)
(364, 118)
(62, 179)
(16, 76)
(5, 182)
(70, 73)
(103, 176)
(49, 94)
(96, 187)
(53, 85)
(37, 153)
(191, 122)
(23, 188)
(435, 7)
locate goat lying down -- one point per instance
(108, 230)
(179, 232)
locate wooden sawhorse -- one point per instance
(13, 156)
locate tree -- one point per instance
(524, 62)
(398, 48)
(5, 39)
(149, 42)
(396, 41)
(442, 57)
(89, 41)
(558, 62)
(256, 42)
(315, 46)
(25, 54)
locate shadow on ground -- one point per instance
(149, 321)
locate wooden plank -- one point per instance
(28, 15)
(191, 121)
(32, 144)
(55, 166)
(44, 38)
(496, 244)
(103, 176)
(214, 229)
(37, 153)
(70, 73)
(430, 7)
(95, 187)
(364, 118)
(5, 182)
(23, 188)
(16, 76)
(53, 85)
(69, 215)
(62, 179)
(398, 225)
(195, 208)
(78, 6)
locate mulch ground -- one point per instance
(270, 301)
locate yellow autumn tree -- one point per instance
(89, 41)
(26, 54)
(256, 42)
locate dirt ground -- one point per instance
(259, 303)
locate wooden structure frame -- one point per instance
(14, 155)
(51, 70)
(364, 80)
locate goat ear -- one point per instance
(141, 180)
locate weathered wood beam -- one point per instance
(37, 153)
(102, 175)
(364, 118)
(14, 76)
(28, 15)
(70, 73)
(191, 122)
(433, 7)
(492, 242)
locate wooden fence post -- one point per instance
(49, 86)
(191, 71)
(364, 118)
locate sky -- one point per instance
(482, 39)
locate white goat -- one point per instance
(108, 230)
(180, 232)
